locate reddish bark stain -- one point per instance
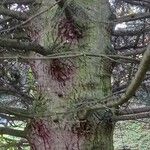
(82, 128)
(43, 137)
(61, 71)
(40, 130)
(69, 31)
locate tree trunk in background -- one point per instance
(64, 83)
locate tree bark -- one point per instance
(54, 136)
(66, 86)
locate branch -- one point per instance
(130, 33)
(27, 46)
(113, 101)
(61, 4)
(4, 21)
(12, 118)
(132, 117)
(25, 2)
(14, 144)
(20, 36)
(138, 3)
(76, 54)
(124, 86)
(14, 14)
(12, 132)
(132, 17)
(29, 19)
(137, 52)
(15, 111)
(134, 111)
(129, 47)
(16, 92)
(136, 82)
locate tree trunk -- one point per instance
(67, 85)
(46, 135)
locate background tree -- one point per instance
(69, 70)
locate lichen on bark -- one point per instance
(86, 78)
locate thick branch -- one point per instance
(124, 86)
(134, 111)
(12, 132)
(27, 46)
(14, 14)
(136, 82)
(61, 4)
(132, 117)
